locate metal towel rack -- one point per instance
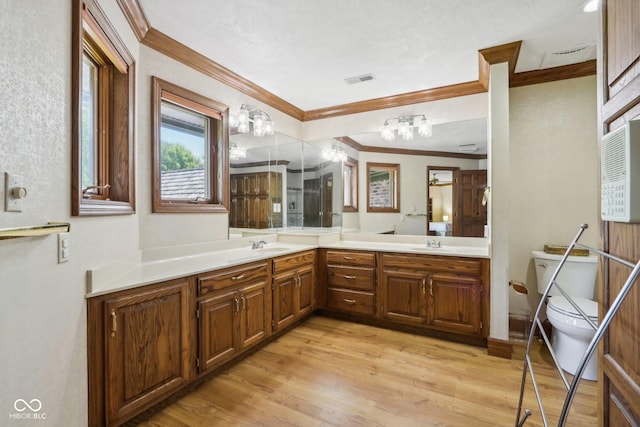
(600, 329)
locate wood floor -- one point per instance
(327, 372)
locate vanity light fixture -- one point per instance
(236, 152)
(250, 118)
(334, 154)
(405, 127)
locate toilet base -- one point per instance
(569, 352)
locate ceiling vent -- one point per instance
(358, 79)
(573, 55)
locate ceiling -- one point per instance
(303, 50)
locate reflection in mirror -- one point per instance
(383, 187)
(440, 209)
(453, 145)
(322, 184)
(350, 185)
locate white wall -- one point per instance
(42, 304)
(554, 173)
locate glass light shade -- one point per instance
(403, 129)
(236, 152)
(243, 121)
(387, 133)
(424, 128)
(233, 120)
(269, 127)
(408, 134)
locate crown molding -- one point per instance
(135, 16)
(347, 140)
(509, 52)
(173, 49)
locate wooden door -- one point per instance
(403, 296)
(253, 318)
(327, 201)
(311, 202)
(455, 303)
(306, 290)
(218, 336)
(147, 342)
(470, 214)
(620, 95)
(284, 311)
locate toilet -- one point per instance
(571, 333)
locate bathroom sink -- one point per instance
(443, 250)
(270, 250)
(252, 254)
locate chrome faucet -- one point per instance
(434, 243)
(258, 245)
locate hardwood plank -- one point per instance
(328, 372)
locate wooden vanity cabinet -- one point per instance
(139, 348)
(233, 310)
(293, 287)
(436, 292)
(252, 197)
(351, 281)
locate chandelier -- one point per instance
(334, 154)
(237, 152)
(249, 118)
(405, 127)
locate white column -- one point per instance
(498, 215)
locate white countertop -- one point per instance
(160, 264)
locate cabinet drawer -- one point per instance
(350, 301)
(347, 277)
(361, 259)
(290, 262)
(214, 281)
(432, 263)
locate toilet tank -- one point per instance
(577, 276)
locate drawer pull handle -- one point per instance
(431, 286)
(349, 277)
(424, 286)
(349, 301)
(238, 277)
(236, 304)
(114, 323)
(244, 302)
(348, 258)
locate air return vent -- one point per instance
(571, 55)
(358, 79)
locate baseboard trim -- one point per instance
(499, 348)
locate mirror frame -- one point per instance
(394, 177)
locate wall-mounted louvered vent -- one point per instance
(359, 79)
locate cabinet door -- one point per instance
(454, 303)
(284, 309)
(253, 317)
(147, 347)
(305, 291)
(218, 336)
(403, 296)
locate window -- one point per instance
(102, 125)
(350, 185)
(190, 151)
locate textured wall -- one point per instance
(554, 173)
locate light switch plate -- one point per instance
(63, 247)
(11, 181)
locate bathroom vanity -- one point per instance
(169, 323)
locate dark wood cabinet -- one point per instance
(254, 200)
(140, 343)
(351, 281)
(435, 292)
(293, 287)
(233, 308)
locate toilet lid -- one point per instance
(562, 305)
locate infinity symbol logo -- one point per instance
(21, 405)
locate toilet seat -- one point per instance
(561, 305)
